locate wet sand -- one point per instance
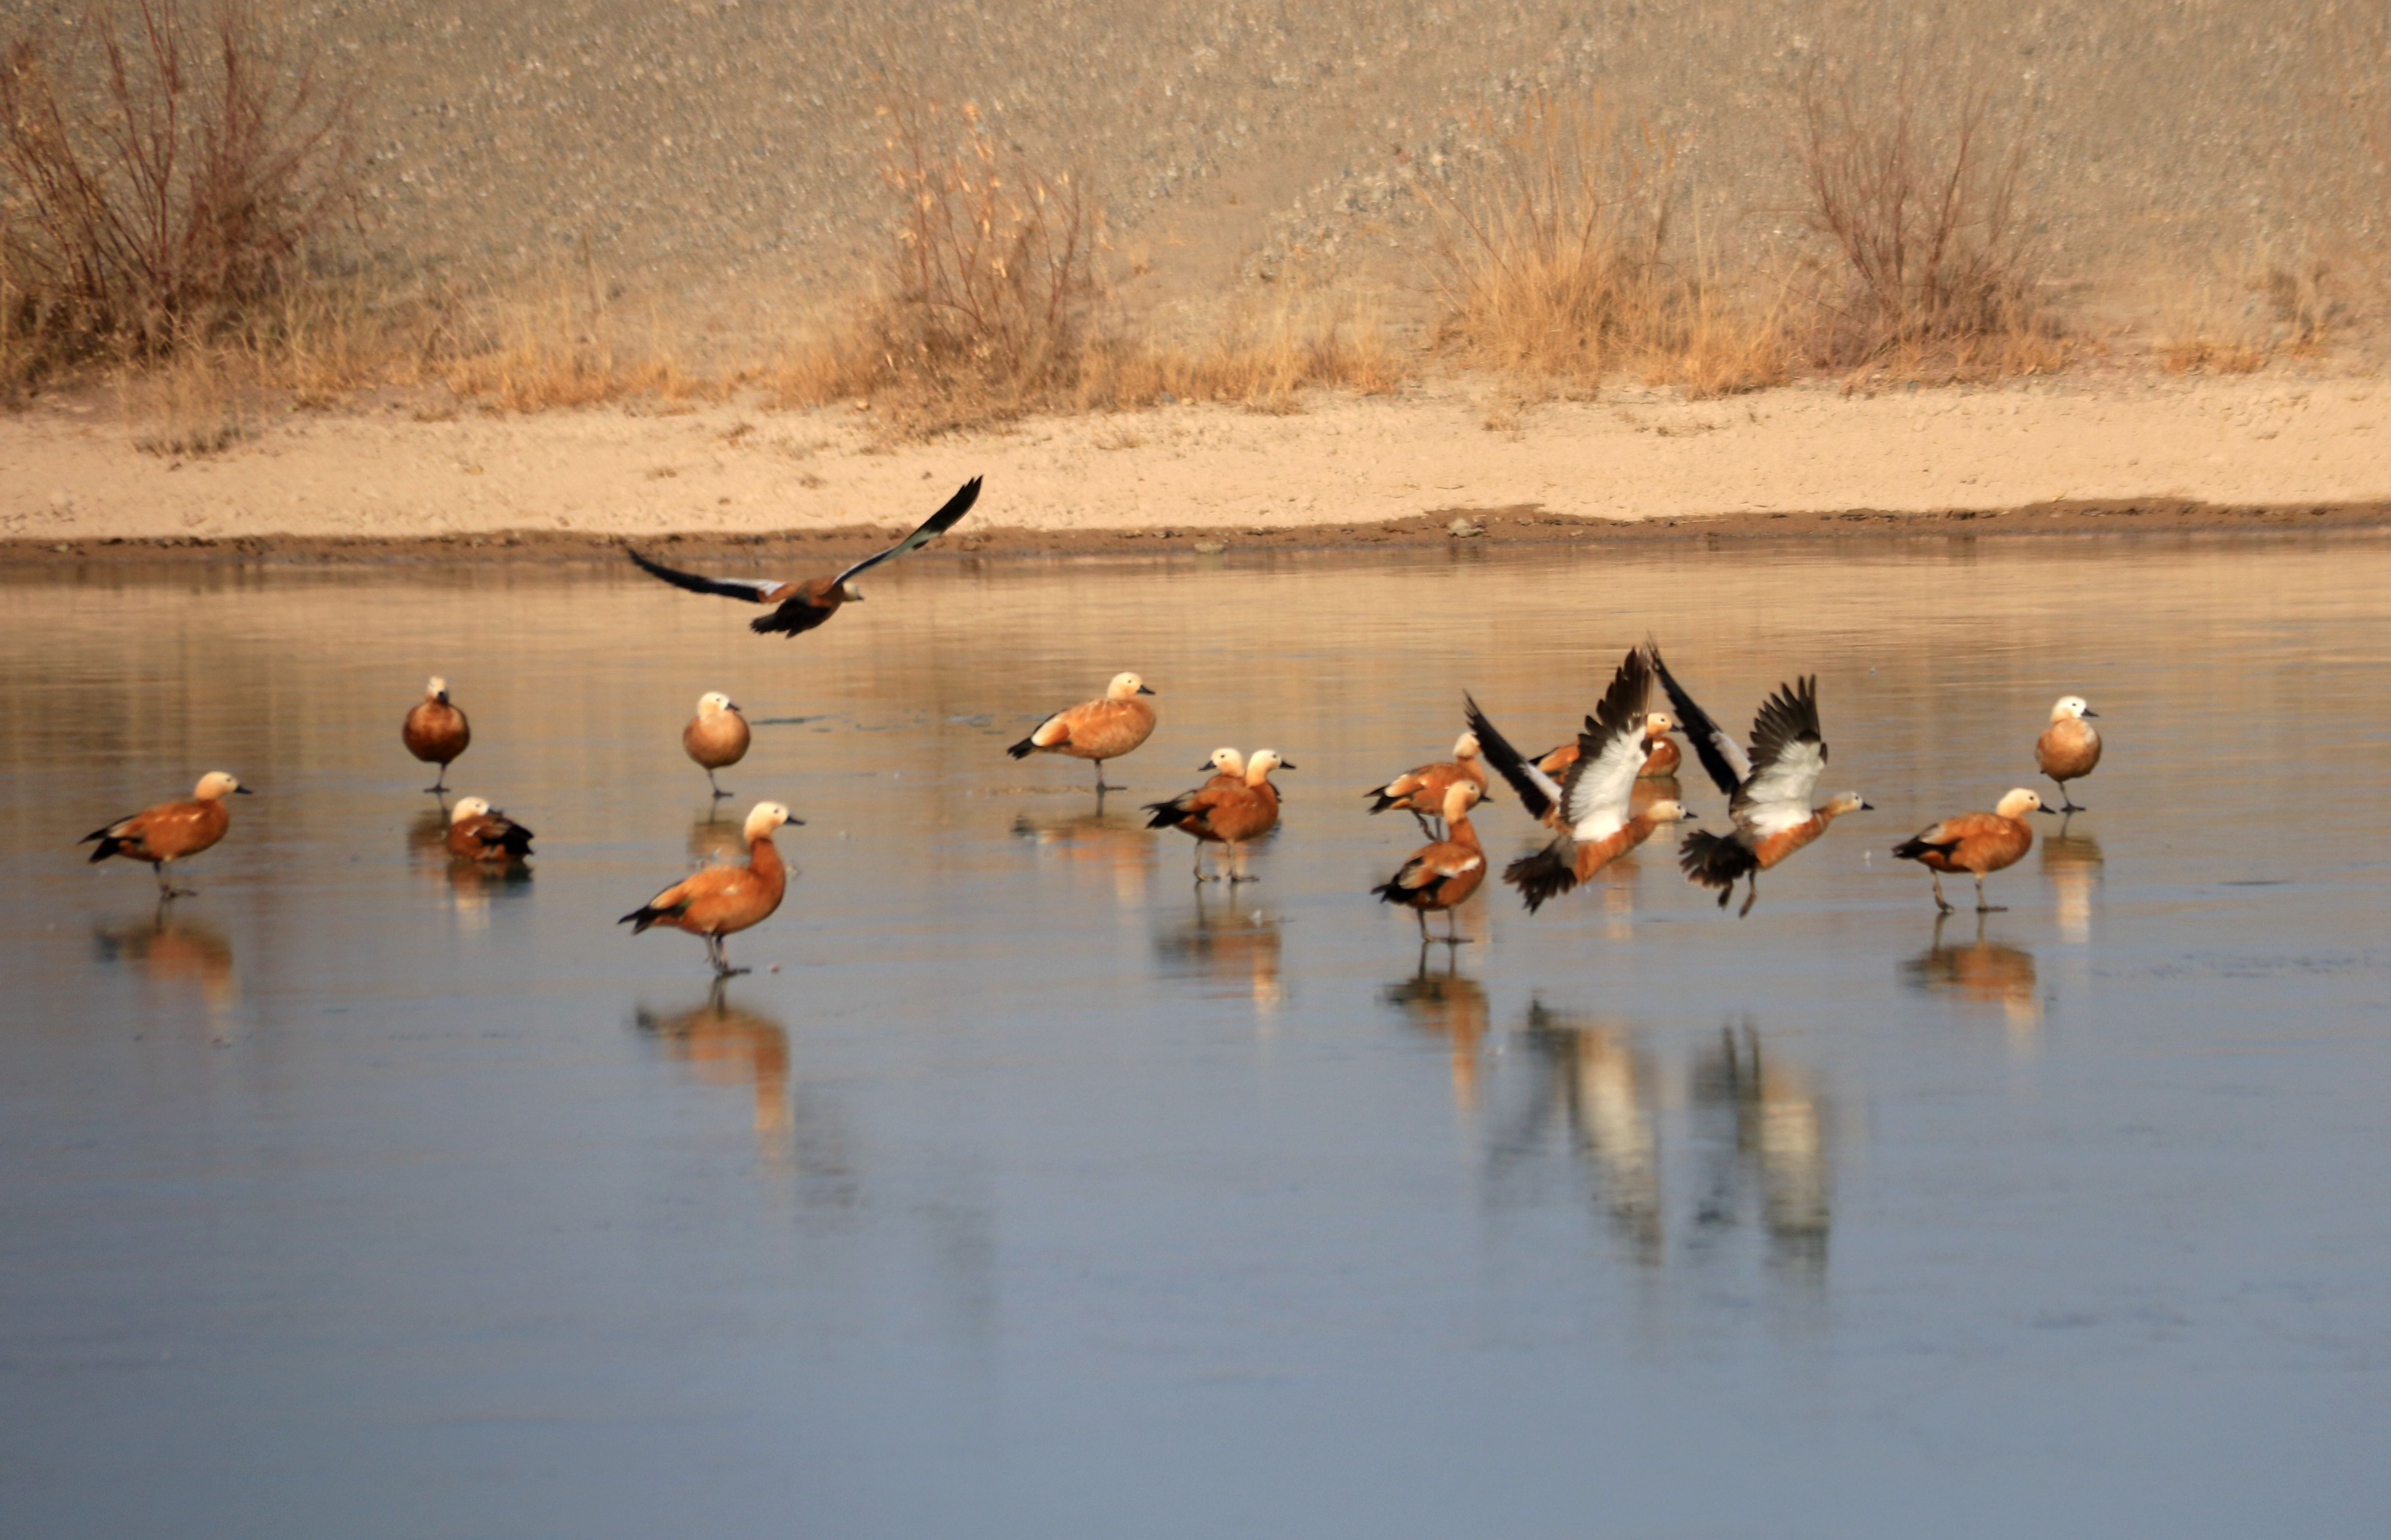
(2081, 452)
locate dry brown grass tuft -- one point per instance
(1555, 264)
(1935, 271)
(2204, 355)
(1262, 358)
(162, 171)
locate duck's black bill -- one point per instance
(243, 791)
(1143, 691)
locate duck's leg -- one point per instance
(722, 968)
(1428, 830)
(1452, 936)
(1421, 915)
(710, 781)
(167, 889)
(1101, 787)
(2066, 803)
(1751, 897)
(1982, 907)
(439, 787)
(1940, 902)
(1237, 873)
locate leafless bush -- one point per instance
(1555, 261)
(1935, 263)
(162, 168)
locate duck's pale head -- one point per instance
(2019, 802)
(714, 703)
(217, 784)
(765, 817)
(2071, 707)
(436, 689)
(472, 807)
(1466, 746)
(1124, 686)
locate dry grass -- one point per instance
(162, 171)
(1556, 265)
(1934, 270)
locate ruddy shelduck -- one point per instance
(716, 737)
(802, 606)
(171, 831)
(2069, 748)
(1768, 792)
(436, 732)
(1441, 875)
(479, 831)
(1589, 807)
(1975, 843)
(1102, 729)
(1661, 760)
(1231, 815)
(1420, 791)
(723, 901)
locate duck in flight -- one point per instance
(1588, 807)
(1768, 792)
(803, 606)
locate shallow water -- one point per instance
(1038, 1194)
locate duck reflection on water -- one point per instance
(1765, 1127)
(714, 839)
(727, 1044)
(1445, 1004)
(1757, 1134)
(1111, 847)
(1234, 948)
(2072, 859)
(172, 949)
(1980, 972)
(1595, 1076)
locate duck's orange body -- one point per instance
(723, 901)
(1440, 877)
(1098, 729)
(436, 732)
(1975, 843)
(2069, 748)
(716, 737)
(170, 831)
(1231, 815)
(479, 833)
(1421, 791)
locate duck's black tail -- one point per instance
(645, 916)
(1025, 748)
(1715, 860)
(1910, 849)
(1549, 874)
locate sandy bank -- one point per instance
(1345, 468)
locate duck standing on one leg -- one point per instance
(1098, 729)
(723, 901)
(1441, 875)
(171, 831)
(436, 732)
(715, 738)
(2069, 748)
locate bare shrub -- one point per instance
(163, 169)
(1261, 358)
(1555, 262)
(1936, 269)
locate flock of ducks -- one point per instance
(1598, 796)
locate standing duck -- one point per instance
(1420, 791)
(478, 831)
(1231, 815)
(723, 901)
(804, 605)
(2069, 748)
(1976, 843)
(1588, 807)
(1099, 729)
(1768, 793)
(171, 831)
(1441, 875)
(436, 732)
(716, 737)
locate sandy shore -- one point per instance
(2211, 451)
